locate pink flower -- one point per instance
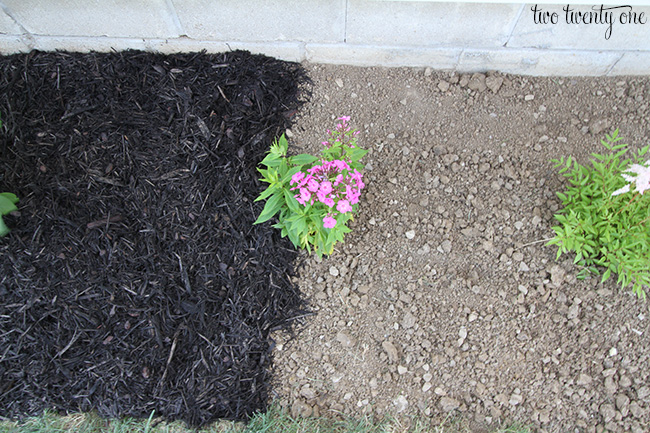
(340, 165)
(305, 195)
(329, 222)
(296, 178)
(352, 195)
(324, 197)
(326, 187)
(343, 206)
(313, 185)
(344, 118)
(328, 201)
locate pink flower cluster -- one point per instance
(340, 133)
(330, 183)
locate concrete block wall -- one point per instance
(463, 36)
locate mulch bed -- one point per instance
(134, 279)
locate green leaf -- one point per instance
(302, 159)
(271, 207)
(11, 196)
(271, 175)
(4, 230)
(271, 160)
(289, 174)
(8, 203)
(283, 144)
(357, 153)
(294, 237)
(606, 275)
(291, 202)
(267, 192)
(282, 169)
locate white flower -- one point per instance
(641, 181)
(623, 190)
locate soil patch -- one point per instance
(444, 299)
(133, 278)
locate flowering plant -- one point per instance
(315, 197)
(604, 220)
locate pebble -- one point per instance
(494, 83)
(643, 392)
(529, 97)
(574, 312)
(400, 403)
(607, 411)
(339, 82)
(623, 403)
(557, 275)
(307, 392)
(408, 321)
(300, 409)
(624, 382)
(391, 351)
(477, 82)
(515, 399)
(344, 339)
(583, 379)
(598, 126)
(448, 404)
(410, 234)
(610, 386)
(334, 271)
(636, 410)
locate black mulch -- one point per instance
(133, 278)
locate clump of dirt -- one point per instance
(444, 298)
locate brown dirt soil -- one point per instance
(444, 298)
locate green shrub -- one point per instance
(605, 220)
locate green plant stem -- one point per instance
(640, 224)
(628, 204)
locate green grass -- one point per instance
(275, 420)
